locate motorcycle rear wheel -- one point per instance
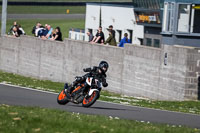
(62, 98)
(90, 100)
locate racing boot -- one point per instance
(72, 86)
(66, 86)
(67, 91)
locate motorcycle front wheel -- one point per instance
(90, 100)
(62, 98)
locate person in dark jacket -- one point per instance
(58, 35)
(16, 32)
(96, 72)
(112, 31)
(37, 28)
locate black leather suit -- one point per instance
(95, 72)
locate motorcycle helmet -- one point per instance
(103, 65)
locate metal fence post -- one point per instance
(3, 17)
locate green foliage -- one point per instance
(16, 119)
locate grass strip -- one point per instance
(17, 119)
(45, 9)
(46, 85)
(179, 106)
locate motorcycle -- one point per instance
(86, 93)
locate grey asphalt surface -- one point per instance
(45, 16)
(20, 96)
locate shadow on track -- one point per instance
(104, 108)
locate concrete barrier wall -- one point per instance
(134, 70)
(172, 75)
(141, 71)
(192, 86)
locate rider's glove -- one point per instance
(87, 69)
(105, 84)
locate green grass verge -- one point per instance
(65, 25)
(178, 106)
(44, 9)
(16, 119)
(184, 106)
(30, 82)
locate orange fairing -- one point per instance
(77, 88)
(86, 101)
(62, 95)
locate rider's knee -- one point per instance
(66, 85)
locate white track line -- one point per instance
(29, 88)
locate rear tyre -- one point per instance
(90, 100)
(62, 98)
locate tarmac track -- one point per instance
(13, 95)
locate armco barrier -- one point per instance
(169, 73)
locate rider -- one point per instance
(96, 72)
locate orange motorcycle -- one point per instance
(86, 93)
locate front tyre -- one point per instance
(62, 98)
(90, 100)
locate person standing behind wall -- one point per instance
(16, 32)
(99, 37)
(48, 35)
(57, 35)
(36, 28)
(90, 36)
(43, 32)
(111, 39)
(124, 40)
(112, 31)
(15, 24)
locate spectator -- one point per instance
(48, 35)
(21, 29)
(99, 37)
(90, 36)
(57, 35)
(38, 31)
(16, 32)
(112, 31)
(124, 40)
(42, 31)
(11, 28)
(53, 34)
(36, 28)
(45, 33)
(111, 40)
